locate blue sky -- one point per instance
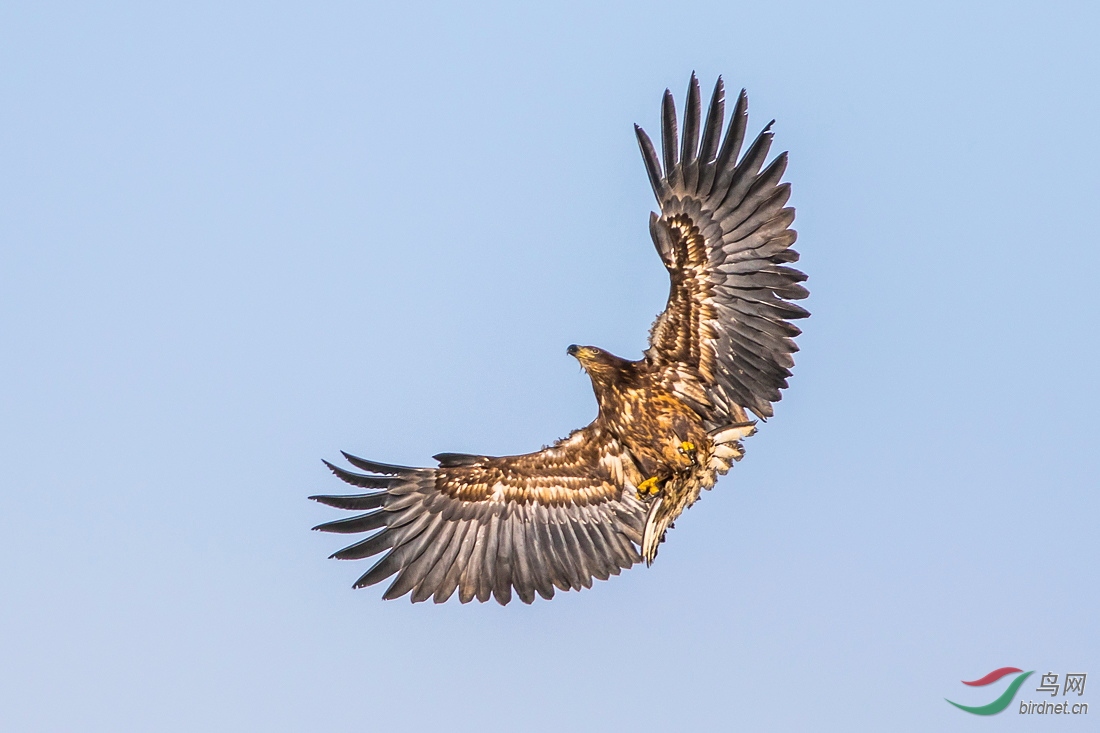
(237, 239)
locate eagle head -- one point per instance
(602, 366)
(588, 355)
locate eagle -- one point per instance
(601, 499)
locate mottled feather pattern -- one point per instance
(601, 499)
(724, 234)
(552, 519)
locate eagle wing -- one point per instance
(725, 339)
(484, 525)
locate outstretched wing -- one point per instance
(485, 525)
(725, 340)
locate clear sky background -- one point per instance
(237, 238)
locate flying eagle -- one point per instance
(601, 499)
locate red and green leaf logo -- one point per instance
(1001, 702)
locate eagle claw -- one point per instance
(687, 448)
(649, 487)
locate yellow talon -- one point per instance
(649, 486)
(687, 449)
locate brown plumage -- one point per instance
(601, 499)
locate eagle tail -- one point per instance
(656, 522)
(681, 491)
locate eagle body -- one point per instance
(601, 499)
(648, 419)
